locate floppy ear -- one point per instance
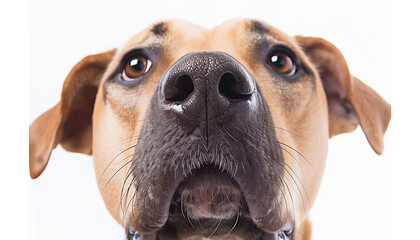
(68, 123)
(350, 101)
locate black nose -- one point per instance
(206, 85)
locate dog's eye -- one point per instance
(282, 63)
(135, 67)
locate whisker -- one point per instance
(306, 193)
(135, 137)
(291, 197)
(131, 201)
(139, 184)
(129, 172)
(124, 212)
(284, 144)
(144, 190)
(234, 225)
(189, 220)
(125, 164)
(294, 180)
(300, 181)
(289, 132)
(217, 227)
(119, 154)
(293, 156)
(282, 192)
(201, 226)
(182, 208)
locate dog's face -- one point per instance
(197, 133)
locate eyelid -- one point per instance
(284, 48)
(133, 53)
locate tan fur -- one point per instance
(305, 230)
(117, 122)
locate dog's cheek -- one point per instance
(112, 150)
(302, 130)
(313, 147)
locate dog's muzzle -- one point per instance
(207, 153)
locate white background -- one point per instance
(363, 195)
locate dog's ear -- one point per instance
(350, 101)
(69, 123)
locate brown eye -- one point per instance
(135, 67)
(282, 63)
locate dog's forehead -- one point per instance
(194, 36)
(237, 37)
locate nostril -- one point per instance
(180, 90)
(233, 88)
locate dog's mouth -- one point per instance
(208, 193)
(209, 201)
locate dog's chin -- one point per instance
(209, 193)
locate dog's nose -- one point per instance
(206, 85)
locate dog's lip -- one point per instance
(268, 219)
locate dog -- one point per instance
(219, 134)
